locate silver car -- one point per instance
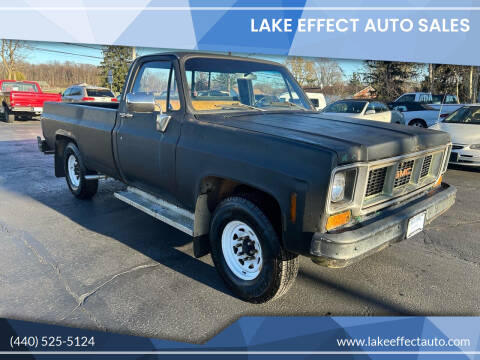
(84, 92)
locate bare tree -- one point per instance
(303, 70)
(329, 73)
(11, 54)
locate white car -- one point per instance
(84, 92)
(364, 109)
(464, 129)
(317, 99)
(417, 114)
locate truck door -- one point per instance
(145, 150)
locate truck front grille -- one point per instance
(388, 180)
(403, 174)
(376, 179)
(427, 161)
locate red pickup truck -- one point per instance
(22, 99)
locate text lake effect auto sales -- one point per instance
(382, 25)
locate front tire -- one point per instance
(247, 252)
(75, 172)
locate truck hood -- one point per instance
(352, 139)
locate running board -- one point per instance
(173, 215)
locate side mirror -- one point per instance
(140, 103)
(370, 112)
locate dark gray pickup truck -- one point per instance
(230, 151)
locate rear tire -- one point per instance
(418, 123)
(75, 172)
(247, 252)
(7, 116)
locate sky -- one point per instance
(44, 52)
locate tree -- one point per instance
(355, 83)
(459, 80)
(391, 79)
(303, 70)
(11, 54)
(319, 73)
(59, 75)
(329, 73)
(117, 59)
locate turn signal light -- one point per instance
(338, 220)
(439, 181)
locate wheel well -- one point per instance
(60, 143)
(218, 189)
(420, 120)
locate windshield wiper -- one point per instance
(232, 106)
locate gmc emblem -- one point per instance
(403, 173)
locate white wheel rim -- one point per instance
(73, 171)
(242, 250)
(417, 124)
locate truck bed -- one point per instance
(90, 124)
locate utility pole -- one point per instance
(430, 77)
(470, 88)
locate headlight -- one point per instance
(343, 188)
(475, 146)
(338, 187)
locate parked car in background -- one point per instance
(416, 114)
(317, 99)
(364, 109)
(22, 99)
(445, 103)
(84, 92)
(421, 97)
(464, 129)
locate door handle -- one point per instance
(162, 121)
(125, 115)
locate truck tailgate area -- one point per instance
(89, 126)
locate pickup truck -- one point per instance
(256, 181)
(444, 103)
(23, 99)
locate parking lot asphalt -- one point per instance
(101, 264)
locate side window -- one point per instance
(380, 107)
(373, 106)
(315, 102)
(407, 98)
(158, 78)
(76, 91)
(450, 99)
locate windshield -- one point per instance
(465, 115)
(19, 86)
(99, 93)
(237, 85)
(346, 107)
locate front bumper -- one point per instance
(341, 249)
(467, 157)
